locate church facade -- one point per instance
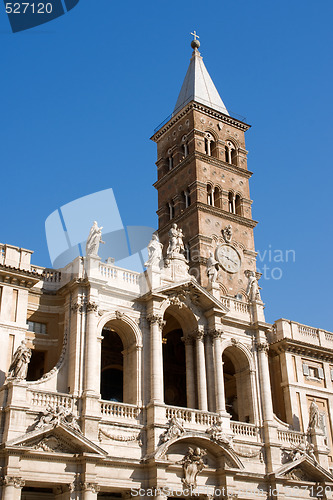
(167, 383)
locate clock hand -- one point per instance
(236, 263)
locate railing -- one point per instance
(119, 410)
(191, 416)
(44, 399)
(236, 305)
(329, 337)
(241, 429)
(49, 275)
(307, 331)
(111, 272)
(292, 438)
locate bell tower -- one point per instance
(203, 182)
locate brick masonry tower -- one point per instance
(203, 182)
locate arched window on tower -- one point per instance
(238, 205)
(217, 198)
(187, 198)
(210, 146)
(231, 200)
(185, 146)
(230, 153)
(209, 195)
(171, 208)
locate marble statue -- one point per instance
(314, 416)
(253, 291)
(176, 244)
(19, 366)
(94, 239)
(212, 268)
(154, 251)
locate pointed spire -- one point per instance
(198, 85)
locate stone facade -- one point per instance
(164, 383)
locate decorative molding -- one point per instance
(121, 438)
(217, 434)
(52, 444)
(56, 416)
(193, 464)
(175, 430)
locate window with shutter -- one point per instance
(305, 369)
(321, 373)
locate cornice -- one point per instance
(302, 348)
(18, 277)
(206, 111)
(197, 155)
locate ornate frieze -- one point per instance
(124, 438)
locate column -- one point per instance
(219, 380)
(264, 379)
(190, 383)
(156, 358)
(89, 491)
(11, 488)
(210, 372)
(201, 371)
(92, 351)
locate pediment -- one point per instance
(196, 293)
(303, 469)
(55, 439)
(179, 445)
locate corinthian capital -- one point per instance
(155, 319)
(214, 333)
(92, 307)
(17, 482)
(262, 346)
(93, 487)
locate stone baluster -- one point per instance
(11, 487)
(156, 357)
(190, 382)
(201, 371)
(92, 351)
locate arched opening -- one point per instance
(230, 153)
(174, 367)
(231, 202)
(170, 162)
(237, 385)
(186, 198)
(185, 149)
(209, 195)
(112, 364)
(210, 145)
(238, 205)
(217, 198)
(171, 209)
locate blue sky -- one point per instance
(82, 95)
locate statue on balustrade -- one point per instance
(212, 268)
(154, 252)
(253, 289)
(176, 244)
(19, 366)
(94, 239)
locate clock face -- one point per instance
(229, 258)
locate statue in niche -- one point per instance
(176, 244)
(253, 289)
(19, 366)
(94, 239)
(212, 268)
(314, 416)
(193, 464)
(154, 251)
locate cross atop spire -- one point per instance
(195, 35)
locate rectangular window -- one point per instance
(35, 327)
(14, 305)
